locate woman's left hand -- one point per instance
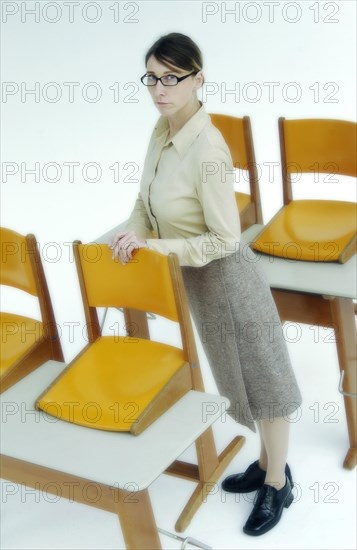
(123, 245)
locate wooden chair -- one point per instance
(313, 230)
(307, 250)
(25, 342)
(109, 470)
(237, 133)
(126, 384)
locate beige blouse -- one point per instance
(187, 193)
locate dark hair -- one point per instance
(176, 50)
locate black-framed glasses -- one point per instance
(166, 80)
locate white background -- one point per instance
(292, 59)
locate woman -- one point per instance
(187, 198)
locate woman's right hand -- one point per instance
(123, 245)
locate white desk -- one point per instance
(106, 469)
(337, 279)
(320, 293)
(298, 275)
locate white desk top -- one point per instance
(329, 278)
(121, 460)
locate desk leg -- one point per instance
(205, 486)
(137, 521)
(343, 315)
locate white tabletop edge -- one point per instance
(323, 278)
(117, 459)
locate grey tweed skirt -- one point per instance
(241, 334)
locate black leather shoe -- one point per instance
(251, 480)
(268, 509)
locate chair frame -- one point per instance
(49, 346)
(326, 311)
(252, 213)
(210, 466)
(287, 185)
(338, 313)
(137, 522)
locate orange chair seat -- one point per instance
(242, 200)
(18, 336)
(110, 384)
(310, 230)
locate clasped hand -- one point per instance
(123, 245)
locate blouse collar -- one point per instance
(187, 134)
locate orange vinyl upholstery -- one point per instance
(25, 343)
(140, 376)
(237, 134)
(313, 230)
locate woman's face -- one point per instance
(169, 100)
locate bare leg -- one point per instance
(263, 459)
(275, 435)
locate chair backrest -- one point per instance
(237, 133)
(316, 145)
(151, 282)
(19, 255)
(144, 283)
(21, 268)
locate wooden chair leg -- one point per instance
(207, 458)
(205, 486)
(342, 310)
(136, 323)
(133, 508)
(137, 521)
